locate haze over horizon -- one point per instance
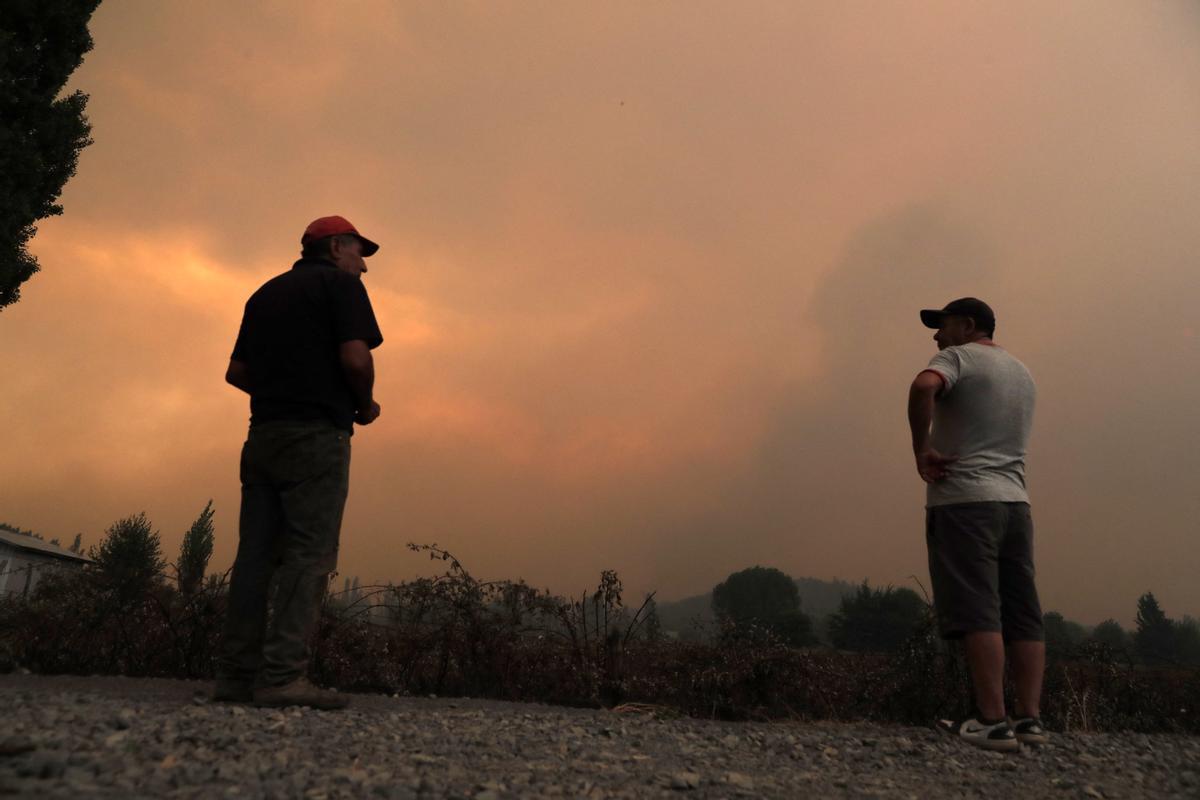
(648, 283)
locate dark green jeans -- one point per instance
(295, 476)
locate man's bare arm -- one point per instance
(359, 368)
(931, 465)
(238, 375)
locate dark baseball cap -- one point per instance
(977, 310)
(335, 226)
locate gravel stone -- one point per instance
(119, 737)
(685, 780)
(739, 781)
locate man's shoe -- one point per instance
(299, 692)
(987, 735)
(229, 690)
(1029, 730)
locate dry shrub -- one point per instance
(81, 622)
(1100, 688)
(453, 635)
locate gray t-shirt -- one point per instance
(983, 416)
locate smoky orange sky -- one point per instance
(649, 278)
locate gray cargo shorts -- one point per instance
(981, 566)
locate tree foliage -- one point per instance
(41, 134)
(652, 630)
(878, 620)
(763, 597)
(4, 526)
(1062, 635)
(1187, 641)
(195, 552)
(756, 593)
(1110, 634)
(1155, 634)
(129, 558)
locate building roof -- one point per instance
(36, 545)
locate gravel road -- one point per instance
(123, 737)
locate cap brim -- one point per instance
(932, 317)
(369, 247)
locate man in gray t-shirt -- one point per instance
(983, 415)
(970, 412)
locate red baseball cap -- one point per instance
(334, 226)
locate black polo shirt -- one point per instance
(290, 337)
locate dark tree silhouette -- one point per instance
(1187, 641)
(1155, 635)
(4, 526)
(129, 559)
(652, 630)
(766, 597)
(41, 134)
(1110, 634)
(195, 552)
(876, 619)
(1062, 635)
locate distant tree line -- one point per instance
(1156, 639)
(868, 619)
(765, 599)
(76, 546)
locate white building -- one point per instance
(25, 559)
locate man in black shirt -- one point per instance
(303, 354)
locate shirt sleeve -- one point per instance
(948, 364)
(352, 313)
(239, 346)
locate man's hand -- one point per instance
(359, 369)
(368, 416)
(932, 465)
